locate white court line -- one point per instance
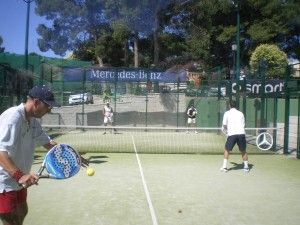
(152, 212)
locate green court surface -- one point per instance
(170, 189)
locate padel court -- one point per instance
(139, 188)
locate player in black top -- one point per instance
(192, 113)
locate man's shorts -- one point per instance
(239, 139)
(108, 119)
(191, 120)
(10, 200)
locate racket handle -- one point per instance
(22, 185)
(44, 176)
(40, 170)
(48, 176)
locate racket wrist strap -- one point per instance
(17, 175)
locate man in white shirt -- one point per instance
(108, 116)
(20, 134)
(234, 126)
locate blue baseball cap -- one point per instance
(43, 93)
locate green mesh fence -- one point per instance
(149, 103)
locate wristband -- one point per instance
(17, 175)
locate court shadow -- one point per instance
(36, 157)
(97, 159)
(239, 166)
(114, 133)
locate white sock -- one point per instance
(225, 163)
(245, 164)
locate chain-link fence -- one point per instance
(150, 97)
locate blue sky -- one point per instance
(13, 27)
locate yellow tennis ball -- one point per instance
(90, 171)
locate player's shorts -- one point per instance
(108, 119)
(10, 200)
(191, 120)
(239, 139)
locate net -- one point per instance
(149, 139)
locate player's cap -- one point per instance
(43, 93)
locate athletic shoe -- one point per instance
(246, 169)
(223, 169)
(196, 132)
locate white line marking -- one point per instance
(152, 212)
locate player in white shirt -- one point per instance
(234, 126)
(108, 116)
(20, 133)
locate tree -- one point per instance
(154, 13)
(73, 22)
(142, 18)
(191, 22)
(121, 34)
(274, 59)
(276, 22)
(165, 33)
(128, 13)
(262, 22)
(209, 27)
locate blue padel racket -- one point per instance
(61, 162)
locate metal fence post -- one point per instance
(244, 97)
(298, 133)
(286, 114)
(146, 116)
(177, 110)
(115, 94)
(83, 91)
(275, 123)
(262, 92)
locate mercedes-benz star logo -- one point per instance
(264, 141)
